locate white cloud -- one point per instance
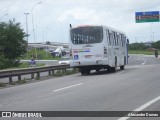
(80, 14)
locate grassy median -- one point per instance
(145, 52)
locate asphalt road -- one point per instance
(135, 88)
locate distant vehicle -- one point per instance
(97, 47)
(156, 53)
(64, 61)
(32, 63)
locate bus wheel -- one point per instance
(109, 69)
(97, 70)
(114, 69)
(122, 67)
(83, 71)
(88, 71)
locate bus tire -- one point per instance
(88, 71)
(83, 71)
(114, 69)
(122, 67)
(97, 70)
(109, 69)
(125, 60)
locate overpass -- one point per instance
(51, 46)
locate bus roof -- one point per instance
(109, 28)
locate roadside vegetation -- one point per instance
(26, 65)
(141, 48)
(13, 46)
(41, 55)
(12, 43)
(145, 52)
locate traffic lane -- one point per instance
(152, 60)
(136, 59)
(29, 89)
(86, 118)
(25, 92)
(143, 60)
(95, 118)
(102, 92)
(154, 107)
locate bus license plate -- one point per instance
(88, 56)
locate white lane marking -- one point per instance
(144, 62)
(142, 107)
(67, 87)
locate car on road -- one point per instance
(64, 61)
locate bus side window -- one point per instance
(125, 40)
(111, 38)
(114, 38)
(118, 40)
(122, 39)
(108, 37)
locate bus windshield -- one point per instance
(87, 35)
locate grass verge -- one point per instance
(146, 52)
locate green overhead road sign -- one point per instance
(153, 16)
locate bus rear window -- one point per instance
(87, 35)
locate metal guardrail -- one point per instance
(19, 72)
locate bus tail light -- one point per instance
(70, 53)
(105, 52)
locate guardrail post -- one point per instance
(52, 72)
(49, 72)
(32, 76)
(19, 77)
(65, 70)
(38, 74)
(10, 80)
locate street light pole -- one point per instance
(33, 26)
(153, 36)
(27, 29)
(151, 31)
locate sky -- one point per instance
(50, 19)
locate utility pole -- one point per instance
(33, 27)
(27, 30)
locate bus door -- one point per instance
(111, 49)
(118, 49)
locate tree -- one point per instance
(48, 43)
(138, 46)
(12, 41)
(156, 44)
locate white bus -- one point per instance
(96, 48)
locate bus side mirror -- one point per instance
(70, 26)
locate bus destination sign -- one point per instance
(152, 16)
